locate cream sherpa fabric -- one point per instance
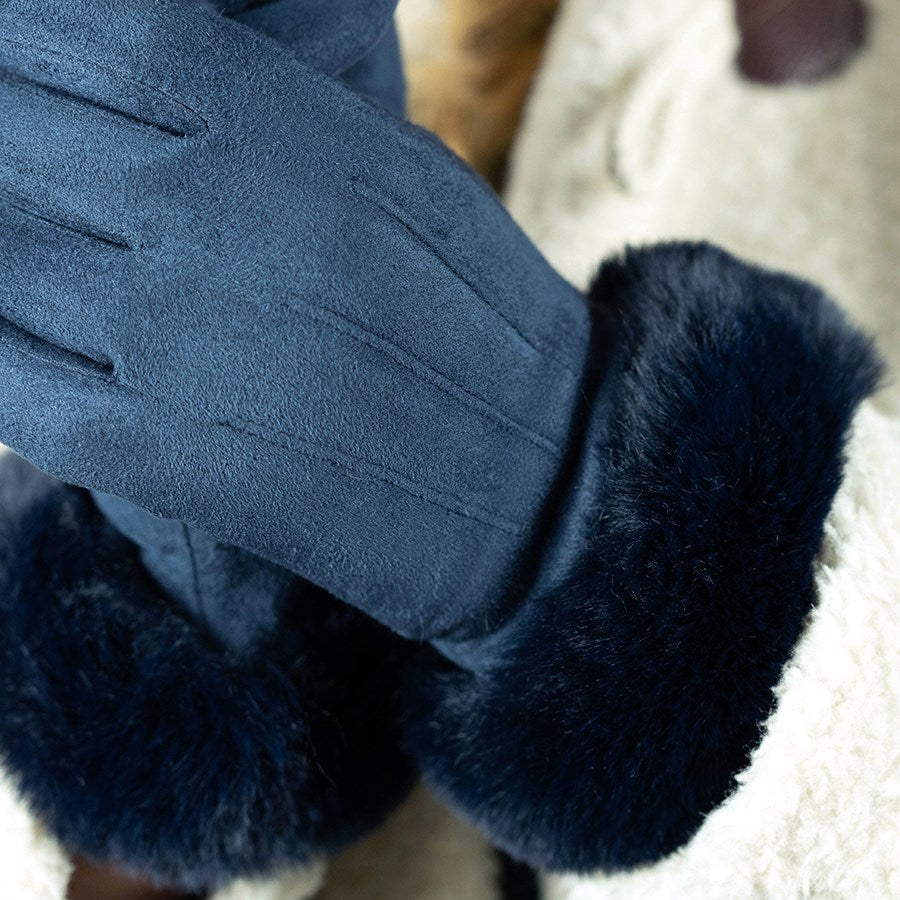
(640, 129)
(32, 866)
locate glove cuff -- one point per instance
(614, 711)
(142, 742)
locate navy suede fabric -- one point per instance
(330, 35)
(235, 595)
(356, 39)
(379, 74)
(232, 592)
(284, 316)
(177, 706)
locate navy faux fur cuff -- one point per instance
(141, 742)
(622, 704)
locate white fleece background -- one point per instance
(640, 130)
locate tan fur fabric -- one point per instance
(470, 65)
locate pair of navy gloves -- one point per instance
(351, 484)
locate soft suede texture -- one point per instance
(234, 593)
(379, 74)
(356, 39)
(239, 296)
(141, 741)
(329, 35)
(302, 774)
(618, 707)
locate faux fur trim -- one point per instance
(817, 812)
(141, 742)
(625, 702)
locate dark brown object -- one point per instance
(799, 40)
(95, 882)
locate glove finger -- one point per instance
(163, 63)
(57, 276)
(69, 212)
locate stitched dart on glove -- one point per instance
(171, 704)
(240, 297)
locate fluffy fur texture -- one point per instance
(140, 742)
(621, 707)
(641, 128)
(816, 814)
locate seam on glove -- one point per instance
(73, 226)
(326, 316)
(415, 364)
(71, 361)
(372, 193)
(84, 366)
(187, 122)
(370, 470)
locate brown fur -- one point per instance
(469, 79)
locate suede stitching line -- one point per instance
(488, 517)
(23, 170)
(372, 193)
(120, 75)
(16, 79)
(411, 362)
(18, 338)
(236, 8)
(71, 368)
(119, 242)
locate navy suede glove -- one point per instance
(174, 705)
(325, 333)
(329, 35)
(236, 295)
